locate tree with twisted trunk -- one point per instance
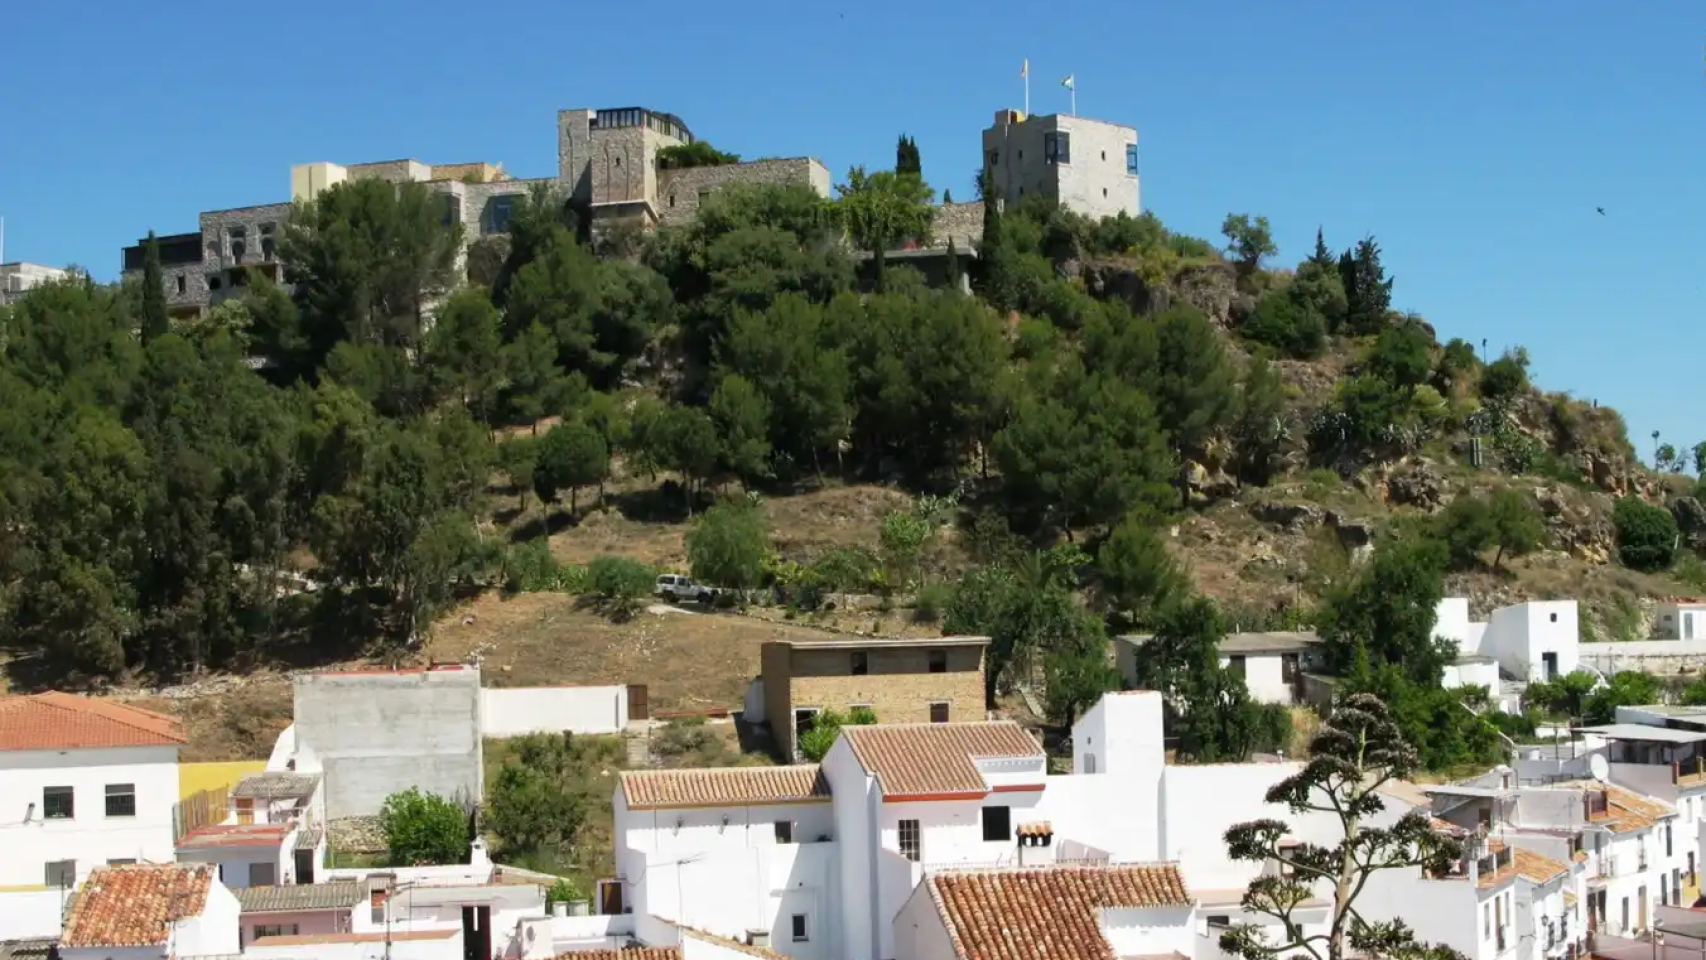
(1358, 751)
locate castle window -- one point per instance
(180, 283)
(672, 199)
(1057, 147)
(1131, 159)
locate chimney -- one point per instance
(758, 938)
(1036, 844)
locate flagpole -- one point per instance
(1025, 72)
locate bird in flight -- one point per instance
(1601, 210)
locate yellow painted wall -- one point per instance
(193, 778)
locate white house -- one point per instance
(148, 911)
(84, 782)
(1533, 641)
(1679, 620)
(819, 861)
(1271, 663)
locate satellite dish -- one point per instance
(1598, 768)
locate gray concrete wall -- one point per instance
(374, 734)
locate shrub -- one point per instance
(424, 829)
(530, 568)
(619, 584)
(826, 726)
(1291, 327)
(1505, 377)
(728, 544)
(931, 601)
(1646, 534)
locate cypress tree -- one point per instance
(955, 274)
(154, 320)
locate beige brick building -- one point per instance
(934, 680)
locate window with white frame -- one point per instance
(799, 928)
(910, 841)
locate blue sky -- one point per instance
(1473, 139)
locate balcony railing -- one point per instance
(1641, 862)
(1607, 867)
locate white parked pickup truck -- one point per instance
(673, 586)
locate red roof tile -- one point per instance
(134, 905)
(1047, 913)
(65, 721)
(235, 835)
(626, 953)
(723, 786)
(927, 759)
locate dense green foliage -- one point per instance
(826, 728)
(375, 427)
(424, 829)
(1646, 534)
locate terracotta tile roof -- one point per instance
(723, 786)
(1047, 913)
(64, 721)
(1043, 829)
(627, 953)
(299, 896)
(1625, 810)
(924, 759)
(134, 905)
(235, 835)
(1538, 868)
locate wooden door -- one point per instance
(638, 708)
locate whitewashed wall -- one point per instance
(28, 914)
(514, 711)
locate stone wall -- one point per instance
(395, 171)
(680, 191)
(961, 222)
(898, 685)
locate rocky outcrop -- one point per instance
(1690, 517)
(1575, 527)
(1123, 281)
(1211, 288)
(1411, 482)
(1295, 517)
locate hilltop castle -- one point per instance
(608, 162)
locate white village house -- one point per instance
(84, 782)
(867, 855)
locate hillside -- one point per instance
(1118, 420)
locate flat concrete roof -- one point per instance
(860, 643)
(1640, 731)
(1672, 710)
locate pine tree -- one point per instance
(947, 197)
(155, 323)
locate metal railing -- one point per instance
(1607, 867)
